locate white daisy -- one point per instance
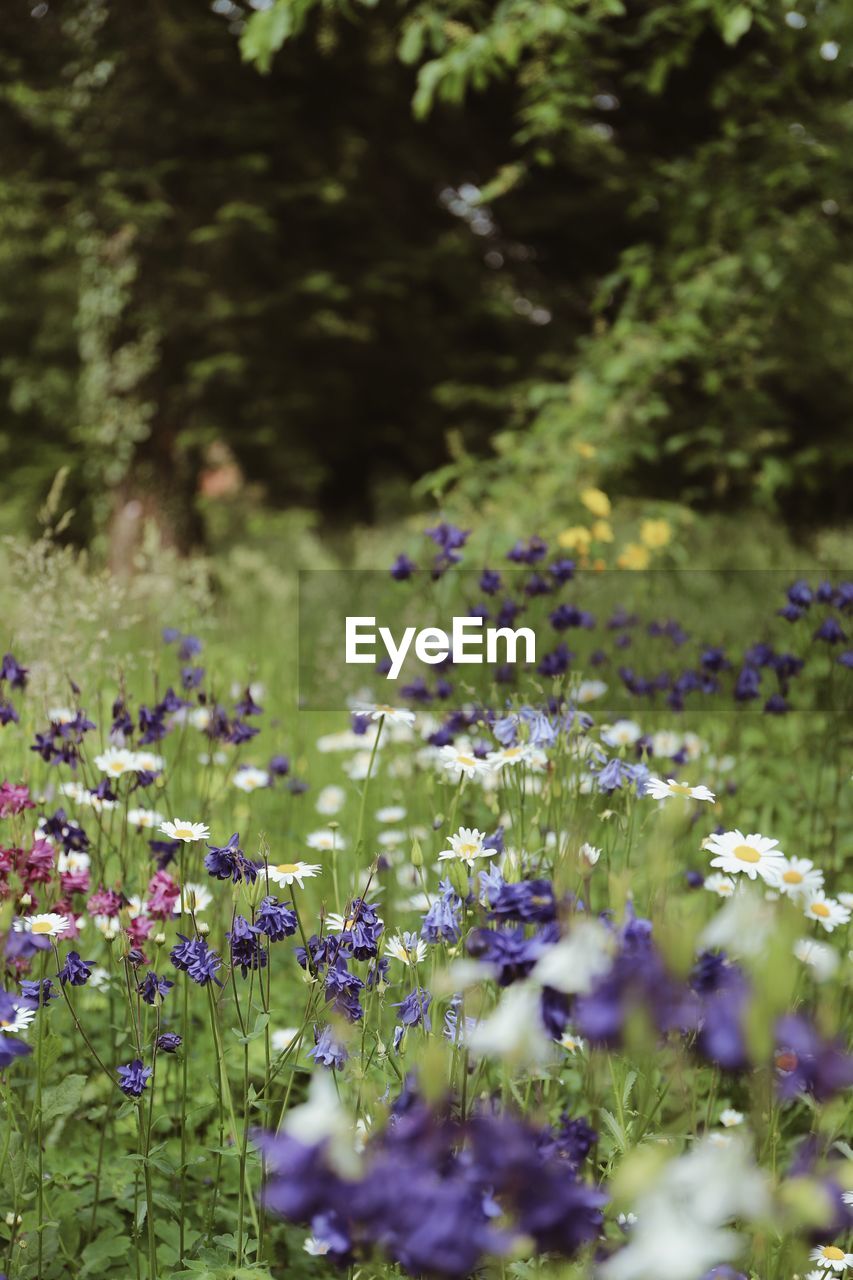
(116, 761)
(99, 978)
(391, 839)
(382, 711)
(98, 804)
(730, 1118)
(659, 789)
(466, 845)
(48, 925)
(194, 897)
(60, 715)
(521, 753)
(248, 778)
(71, 862)
(74, 791)
(589, 854)
(330, 801)
(460, 761)
(148, 762)
(189, 832)
(285, 873)
(391, 813)
(589, 690)
(217, 757)
(820, 957)
(692, 746)
(145, 819)
(847, 1197)
(325, 841)
(798, 877)
(666, 743)
(407, 947)
(571, 1043)
(754, 855)
(199, 717)
(316, 1248)
(622, 733)
(831, 1258)
(21, 1018)
(827, 911)
(722, 886)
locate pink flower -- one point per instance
(14, 799)
(74, 882)
(38, 866)
(163, 893)
(139, 929)
(104, 902)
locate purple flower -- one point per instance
(276, 919)
(195, 958)
(228, 862)
(808, 1064)
(75, 970)
(342, 988)
(402, 568)
(153, 989)
(133, 1078)
(443, 920)
(328, 1051)
(40, 993)
(525, 901)
(168, 1042)
(414, 1010)
(11, 670)
(246, 948)
(831, 631)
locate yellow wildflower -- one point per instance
(655, 533)
(602, 531)
(635, 556)
(575, 538)
(596, 501)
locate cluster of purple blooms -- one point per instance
(704, 678)
(474, 1185)
(710, 1009)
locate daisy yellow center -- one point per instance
(117, 767)
(468, 850)
(681, 788)
(183, 833)
(746, 853)
(4, 1022)
(820, 909)
(832, 1253)
(42, 926)
(793, 877)
(287, 868)
(385, 708)
(512, 751)
(469, 760)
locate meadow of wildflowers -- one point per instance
(553, 979)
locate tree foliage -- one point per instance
(543, 224)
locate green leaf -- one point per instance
(60, 1099)
(736, 23)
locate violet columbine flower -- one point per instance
(246, 948)
(11, 670)
(75, 970)
(414, 1010)
(342, 988)
(525, 901)
(328, 1051)
(195, 958)
(228, 862)
(830, 631)
(40, 992)
(443, 920)
(169, 1042)
(133, 1078)
(402, 568)
(153, 989)
(276, 919)
(808, 1064)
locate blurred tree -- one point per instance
(198, 255)
(682, 172)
